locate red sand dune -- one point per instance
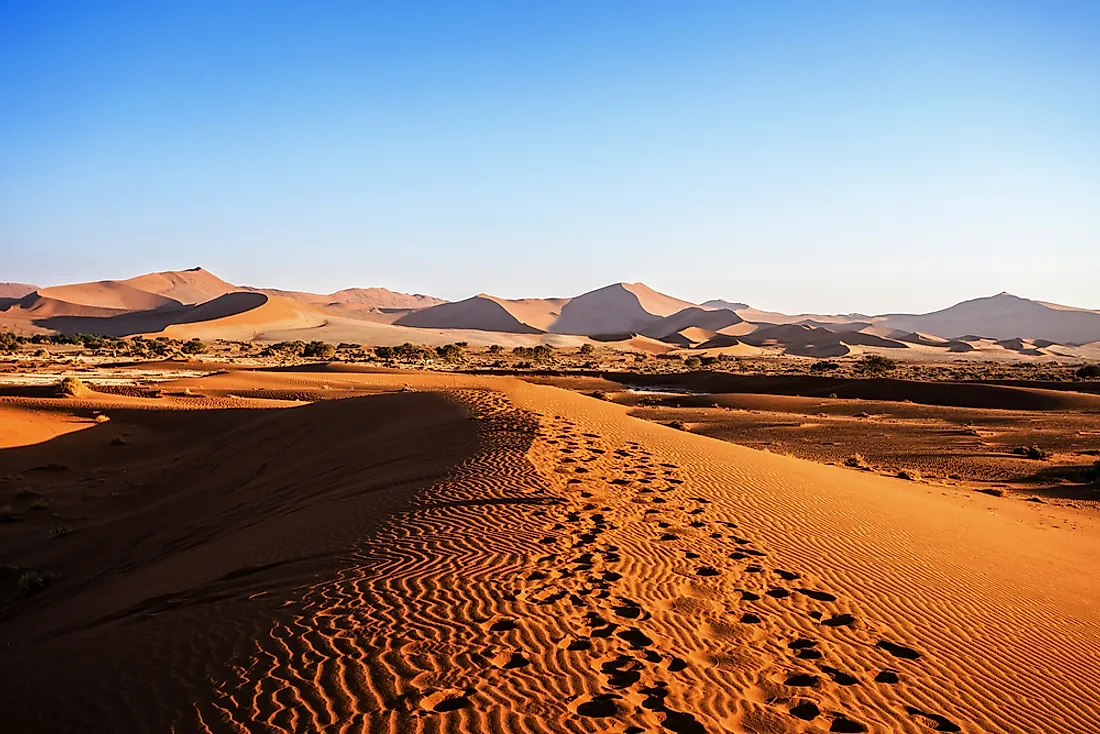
(483, 555)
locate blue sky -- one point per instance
(800, 156)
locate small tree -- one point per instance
(195, 346)
(495, 349)
(543, 353)
(319, 350)
(586, 350)
(450, 352)
(876, 364)
(1089, 371)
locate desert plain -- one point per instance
(254, 511)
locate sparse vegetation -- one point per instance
(824, 366)
(876, 364)
(857, 461)
(71, 387)
(586, 350)
(1089, 372)
(913, 475)
(318, 350)
(693, 363)
(194, 346)
(1032, 452)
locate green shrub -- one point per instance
(876, 364)
(319, 350)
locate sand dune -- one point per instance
(106, 294)
(186, 286)
(484, 555)
(16, 290)
(489, 313)
(694, 317)
(380, 298)
(1005, 316)
(621, 308)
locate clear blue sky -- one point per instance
(825, 156)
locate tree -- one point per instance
(495, 349)
(586, 349)
(195, 346)
(319, 350)
(449, 352)
(876, 364)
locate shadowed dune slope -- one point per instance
(692, 318)
(621, 308)
(487, 313)
(1005, 316)
(196, 533)
(16, 290)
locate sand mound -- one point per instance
(243, 316)
(107, 294)
(621, 308)
(186, 286)
(377, 298)
(692, 318)
(488, 313)
(16, 291)
(1005, 316)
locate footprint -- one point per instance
(935, 722)
(817, 595)
(844, 725)
(898, 651)
(500, 624)
(839, 677)
(635, 638)
(807, 711)
(445, 699)
(887, 676)
(840, 620)
(706, 571)
(801, 680)
(599, 706)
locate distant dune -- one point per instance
(621, 308)
(488, 313)
(16, 290)
(186, 286)
(196, 302)
(1005, 316)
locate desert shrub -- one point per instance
(383, 352)
(1032, 452)
(586, 349)
(913, 475)
(709, 360)
(290, 349)
(693, 363)
(669, 356)
(824, 366)
(319, 350)
(9, 342)
(71, 387)
(1089, 371)
(43, 353)
(876, 364)
(857, 461)
(32, 582)
(450, 352)
(346, 346)
(195, 346)
(543, 353)
(678, 425)
(495, 349)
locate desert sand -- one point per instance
(424, 552)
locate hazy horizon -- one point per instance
(828, 159)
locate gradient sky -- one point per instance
(800, 156)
